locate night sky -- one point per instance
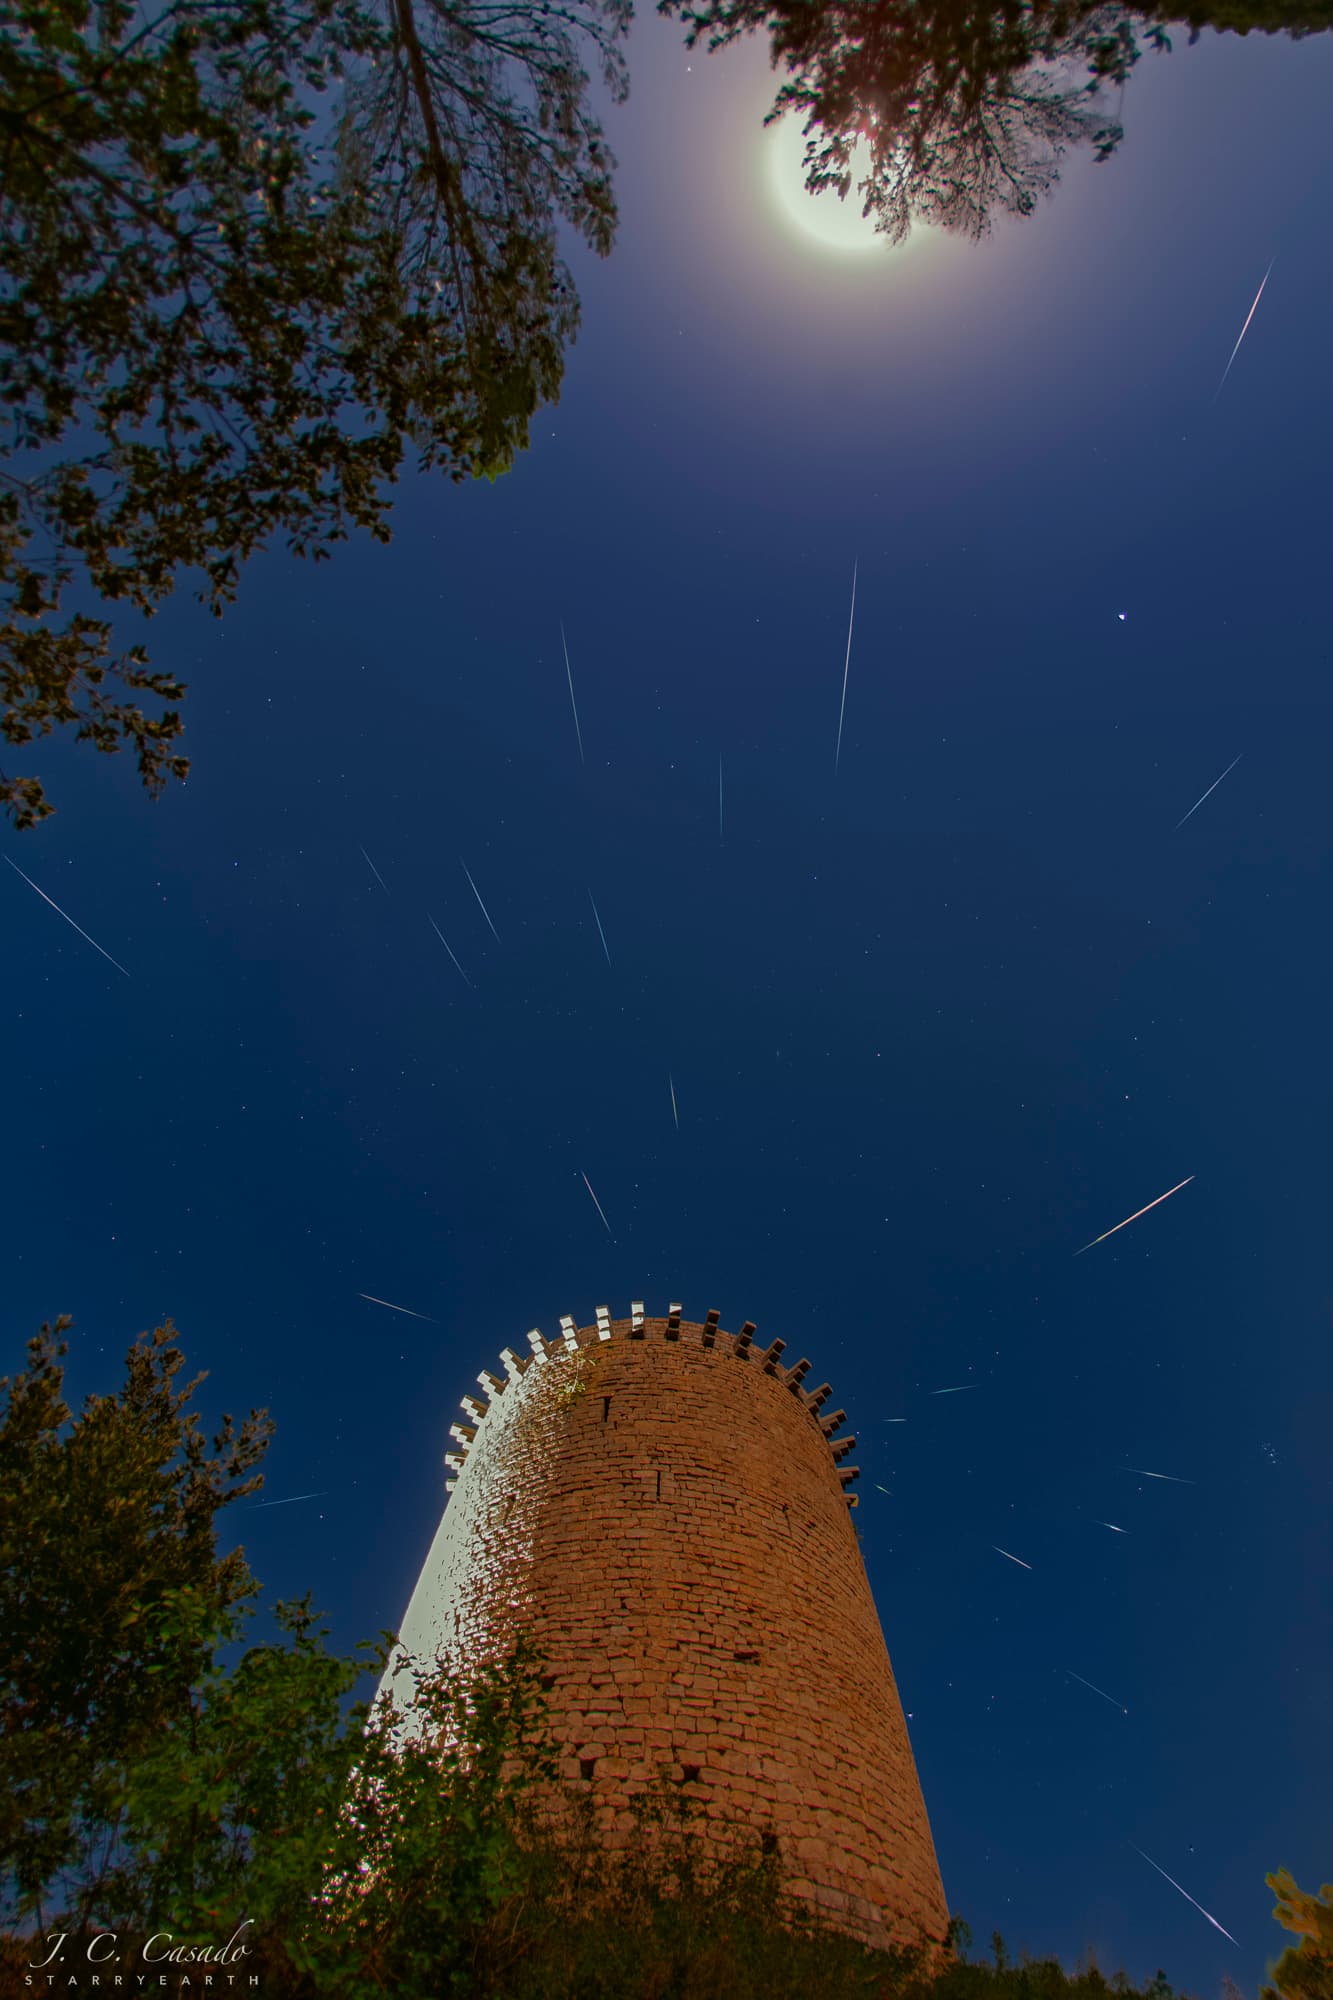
(933, 1020)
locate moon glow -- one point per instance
(835, 225)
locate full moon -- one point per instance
(820, 218)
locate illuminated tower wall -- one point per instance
(666, 1508)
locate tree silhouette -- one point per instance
(959, 109)
(1305, 1970)
(113, 1596)
(226, 309)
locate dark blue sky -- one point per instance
(933, 1022)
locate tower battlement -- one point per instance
(574, 1341)
(664, 1506)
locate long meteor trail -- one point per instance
(1227, 370)
(845, 668)
(396, 1309)
(1175, 1481)
(384, 885)
(569, 671)
(1184, 1892)
(1096, 1690)
(323, 1495)
(674, 1113)
(448, 947)
(1137, 1213)
(477, 893)
(600, 932)
(598, 1206)
(1208, 794)
(68, 919)
(1013, 1559)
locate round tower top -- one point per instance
(573, 1340)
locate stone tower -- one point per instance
(665, 1507)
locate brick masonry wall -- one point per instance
(665, 1506)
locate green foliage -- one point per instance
(433, 1849)
(961, 110)
(141, 1772)
(113, 1598)
(583, 1372)
(229, 1811)
(1305, 1970)
(660, 1917)
(224, 319)
(1036, 1979)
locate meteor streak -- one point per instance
(1223, 383)
(1158, 1475)
(1013, 1559)
(287, 1503)
(396, 1309)
(1184, 1892)
(598, 1206)
(956, 1391)
(719, 799)
(1134, 1218)
(1111, 1525)
(448, 947)
(477, 893)
(845, 666)
(1101, 1691)
(1211, 789)
(384, 885)
(68, 919)
(600, 932)
(674, 1113)
(573, 704)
